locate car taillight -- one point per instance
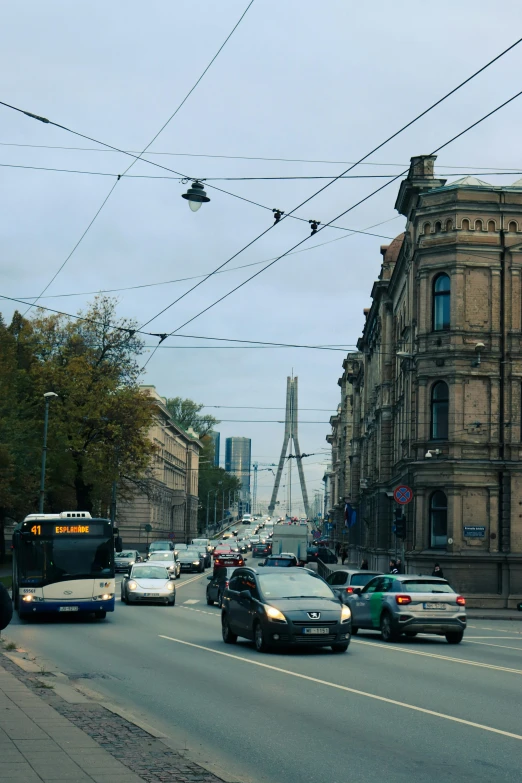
(403, 599)
(461, 600)
(349, 589)
(226, 584)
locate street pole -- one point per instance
(215, 508)
(47, 397)
(113, 502)
(223, 504)
(208, 502)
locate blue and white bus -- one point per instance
(63, 563)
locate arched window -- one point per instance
(438, 227)
(512, 227)
(492, 226)
(438, 520)
(441, 303)
(449, 225)
(478, 225)
(427, 228)
(465, 224)
(439, 411)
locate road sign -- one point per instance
(403, 495)
(474, 531)
(172, 535)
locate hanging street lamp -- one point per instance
(196, 196)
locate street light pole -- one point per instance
(47, 397)
(208, 502)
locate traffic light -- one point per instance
(400, 527)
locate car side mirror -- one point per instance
(246, 595)
(357, 590)
(261, 564)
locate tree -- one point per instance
(186, 412)
(98, 425)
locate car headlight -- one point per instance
(170, 586)
(131, 562)
(275, 614)
(132, 585)
(345, 614)
(195, 562)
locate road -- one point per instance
(418, 711)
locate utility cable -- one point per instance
(394, 135)
(141, 153)
(321, 228)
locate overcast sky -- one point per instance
(298, 79)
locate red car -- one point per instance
(226, 558)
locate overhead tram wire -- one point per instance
(322, 227)
(235, 157)
(141, 153)
(361, 160)
(327, 185)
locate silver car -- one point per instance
(148, 582)
(344, 582)
(399, 604)
(169, 560)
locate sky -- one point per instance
(297, 80)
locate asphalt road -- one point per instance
(419, 710)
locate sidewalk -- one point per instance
(51, 733)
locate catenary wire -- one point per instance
(118, 177)
(321, 228)
(409, 124)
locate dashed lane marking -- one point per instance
(200, 611)
(192, 601)
(345, 688)
(392, 648)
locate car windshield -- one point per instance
(126, 554)
(159, 545)
(193, 553)
(162, 555)
(294, 585)
(149, 572)
(361, 579)
(280, 562)
(200, 542)
(426, 586)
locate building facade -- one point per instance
(166, 503)
(238, 456)
(216, 442)
(432, 400)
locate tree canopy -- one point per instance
(186, 413)
(98, 424)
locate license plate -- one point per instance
(68, 609)
(151, 595)
(316, 630)
(434, 606)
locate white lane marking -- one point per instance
(497, 630)
(392, 648)
(188, 581)
(192, 601)
(200, 611)
(345, 688)
(503, 646)
(506, 638)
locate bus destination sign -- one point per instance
(50, 529)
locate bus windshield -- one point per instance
(53, 560)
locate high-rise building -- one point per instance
(216, 441)
(238, 454)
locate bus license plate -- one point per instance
(315, 630)
(68, 609)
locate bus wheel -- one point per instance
(101, 614)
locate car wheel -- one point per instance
(101, 614)
(210, 602)
(387, 630)
(228, 636)
(455, 637)
(340, 648)
(173, 602)
(179, 574)
(259, 639)
(123, 599)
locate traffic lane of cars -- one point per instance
(289, 713)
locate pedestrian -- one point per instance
(337, 548)
(6, 608)
(400, 568)
(437, 571)
(364, 565)
(393, 567)
(344, 555)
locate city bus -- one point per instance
(63, 563)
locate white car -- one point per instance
(167, 559)
(148, 582)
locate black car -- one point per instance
(218, 584)
(280, 607)
(191, 560)
(281, 561)
(261, 550)
(123, 561)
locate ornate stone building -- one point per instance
(433, 398)
(168, 500)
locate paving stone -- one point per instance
(36, 746)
